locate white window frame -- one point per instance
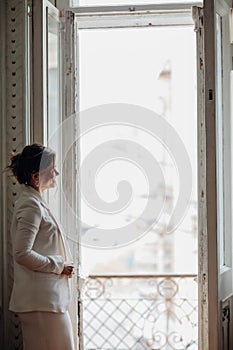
(136, 16)
(40, 10)
(142, 15)
(224, 174)
(113, 17)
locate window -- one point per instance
(144, 67)
(136, 275)
(224, 154)
(53, 100)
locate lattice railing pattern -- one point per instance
(125, 313)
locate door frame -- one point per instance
(208, 235)
(39, 104)
(208, 185)
(121, 16)
(210, 313)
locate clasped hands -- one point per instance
(68, 270)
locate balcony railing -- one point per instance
(140, 312)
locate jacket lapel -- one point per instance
(61, 231)
(30, 190)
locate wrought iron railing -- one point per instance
(140, 312)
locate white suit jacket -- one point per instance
(39, 252)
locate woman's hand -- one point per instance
(68, 270)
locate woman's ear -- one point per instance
(35, 179)
(35, 176)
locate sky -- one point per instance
(124, 66)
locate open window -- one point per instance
(142, 289)
(101, 70)
(215, 174)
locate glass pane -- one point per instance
(149, 68)
(224, 156)
(220, 154)
(53, 102)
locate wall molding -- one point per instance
(14, 118)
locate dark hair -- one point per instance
(32, 159)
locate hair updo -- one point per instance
(32, 159)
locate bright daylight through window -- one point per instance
(149, 69)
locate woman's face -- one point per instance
(48, 177)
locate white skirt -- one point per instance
(46, 331)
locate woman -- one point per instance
(41, 293)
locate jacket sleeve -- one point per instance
(28, 218)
